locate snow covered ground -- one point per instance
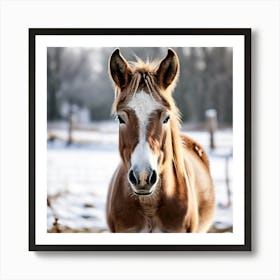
(79, 175)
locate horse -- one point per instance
(163, 182)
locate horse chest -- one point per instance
(150, 219)
(165, 218)
(151, 224)
(154, 223)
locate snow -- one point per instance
(79, 175)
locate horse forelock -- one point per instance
(143, 79)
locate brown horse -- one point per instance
(163, 183)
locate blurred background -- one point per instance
(83, 135)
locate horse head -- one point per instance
(146, 112)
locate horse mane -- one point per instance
(143, 78)
(183, 173)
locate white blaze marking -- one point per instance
(143, 105)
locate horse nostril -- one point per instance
(153, 177)
(132, 178)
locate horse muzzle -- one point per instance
(144, 181)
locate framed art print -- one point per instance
(137, 131)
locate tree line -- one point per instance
(79, 77)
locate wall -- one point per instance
(17, 262)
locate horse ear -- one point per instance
(119, 69)
(168, 69)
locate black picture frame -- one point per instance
(246, 32)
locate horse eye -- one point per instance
(166, 119)
(121, 121)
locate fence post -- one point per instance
(71, 124)
(212, 124)
(227, 181)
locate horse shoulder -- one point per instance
(194, 146)
(110, 197)
(202, 183)
(116, 198)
